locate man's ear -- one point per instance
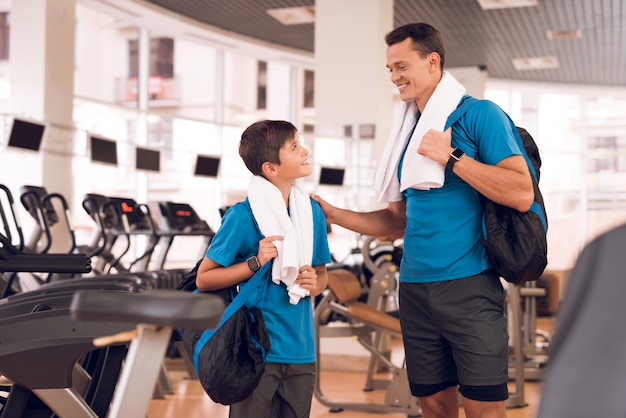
(434, 59)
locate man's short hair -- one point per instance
(425, 39)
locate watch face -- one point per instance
(457, 153)
(253, 263)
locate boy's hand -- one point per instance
(267, 249)
(307, 278)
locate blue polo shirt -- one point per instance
(443, 229)
(290, 327)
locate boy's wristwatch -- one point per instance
(455, 156)
(253, 264)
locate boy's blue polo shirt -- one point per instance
(290, 327)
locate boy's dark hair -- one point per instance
(426, 39)
(261, 143)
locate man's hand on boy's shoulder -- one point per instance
(326, 207)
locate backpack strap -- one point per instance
(466, 102)
(248, 296)
(252, 294)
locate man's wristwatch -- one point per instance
(455, 156)
(253, 264)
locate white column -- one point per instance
(473, 78)
(352, 88)
(143, 97)
(352, 85)
(42, 78)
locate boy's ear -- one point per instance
(268, 169)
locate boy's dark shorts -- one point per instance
(285, 391)
(455, 332)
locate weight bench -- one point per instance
(369, 325)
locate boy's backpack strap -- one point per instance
(252, 294)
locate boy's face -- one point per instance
(294, 162)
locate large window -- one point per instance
(607, 153)
(5, 33)
(309, 89)
(581, 134)
(161, 83)
(261, 89)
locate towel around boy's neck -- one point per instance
(295, 226)
(418, 171)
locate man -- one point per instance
(452, 306)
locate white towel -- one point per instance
(418, 172)
(296, 227)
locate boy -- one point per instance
(278, 223)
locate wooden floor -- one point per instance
(189, 399)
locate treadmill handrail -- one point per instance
(159, 307)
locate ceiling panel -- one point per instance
(473, 36)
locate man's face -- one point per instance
(411, 73)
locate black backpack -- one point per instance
(516, 242)
(230, 359)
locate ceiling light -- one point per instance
(293, 15)
(504, 4)
(557, 35)
(535, 63)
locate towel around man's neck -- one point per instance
(418, 171)
(296, 227)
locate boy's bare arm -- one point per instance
(214, 276)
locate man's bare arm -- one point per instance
(389, 221)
